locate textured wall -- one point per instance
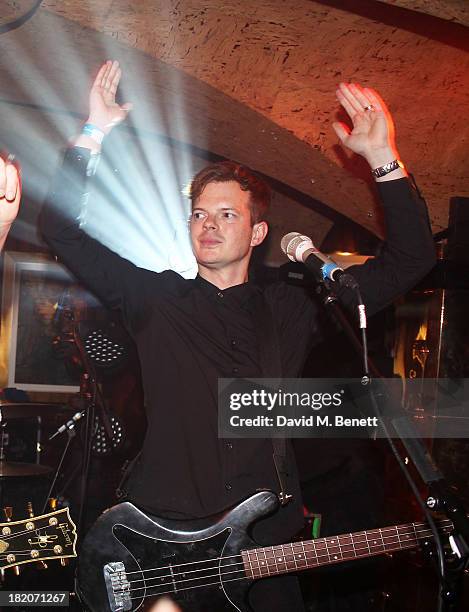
(266, 72)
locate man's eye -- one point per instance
(229, 215)
(196, 216)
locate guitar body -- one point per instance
(129, 559)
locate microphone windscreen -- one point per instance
(286, 240)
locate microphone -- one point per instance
(69, 424)
(300, 248)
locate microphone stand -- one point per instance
(95, 400)
(330, 300)
(69, 427)
(440, 498)
(89, 399)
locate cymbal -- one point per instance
(11, 468)
(12, 410)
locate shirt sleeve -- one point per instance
(114, 280)
(407, 255)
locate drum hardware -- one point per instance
(16, 468)
(94, 348)
(24, 410)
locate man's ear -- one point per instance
(259, 232)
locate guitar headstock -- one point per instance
(49, 536)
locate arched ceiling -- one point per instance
(452, 10)
(258, 81)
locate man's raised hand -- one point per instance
(372, 133)
(10, 195)
(105, 113)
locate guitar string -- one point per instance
(17, 534)
(154, 569)
(11, 524)
(217, 583)
(4, 555)
(208, 569)
(365, 553)
(422, 534)
(315, 556)
(313, 543)
(218, 569)
(24, 552)
(186, 588)
(20, 533)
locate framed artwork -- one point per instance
(40, 302)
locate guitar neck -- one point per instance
(297, 556)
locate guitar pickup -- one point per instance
(117, 586)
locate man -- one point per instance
(10, 196)
(191, 332)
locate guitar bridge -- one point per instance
(117, 586)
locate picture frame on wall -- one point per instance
(40, 302)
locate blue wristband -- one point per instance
(93, 132)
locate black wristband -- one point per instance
(387, 168)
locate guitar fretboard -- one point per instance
(296, 556)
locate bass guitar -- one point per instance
(129, 558)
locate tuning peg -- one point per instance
(53, 502)
(40, 565)
(8, 512)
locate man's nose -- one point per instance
(210, 222)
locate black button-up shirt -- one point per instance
(189, 333)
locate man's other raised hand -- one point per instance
(10, 196)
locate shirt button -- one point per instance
(235, 370)
(228, 487)
(233, 343)
(220, 294)
(229, 445)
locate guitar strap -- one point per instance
(271, 367)
(121, 491)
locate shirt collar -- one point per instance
(240, 294)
